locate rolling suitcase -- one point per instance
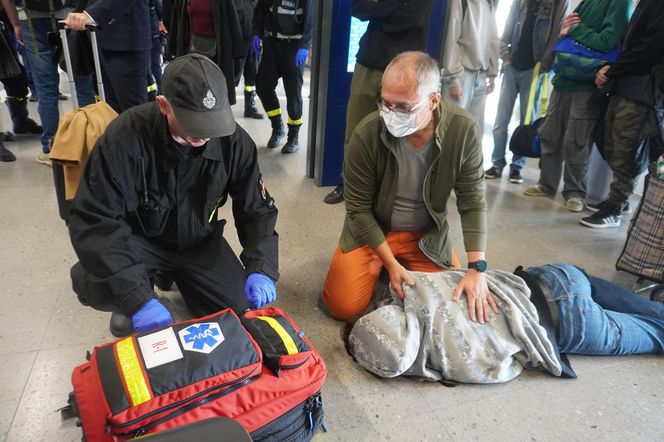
(77, 132)
(260, 371)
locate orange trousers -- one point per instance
(352, 276)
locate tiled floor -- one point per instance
(45, 332)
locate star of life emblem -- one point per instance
(202, 338)
(209, 100)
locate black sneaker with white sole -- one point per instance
(601, 220)
(515, 176)
(492, 173)
(596, 207)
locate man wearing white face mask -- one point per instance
(402, 163)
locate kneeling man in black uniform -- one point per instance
(148, 202)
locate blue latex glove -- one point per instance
(259, 290)
(256, 44)
(151, 316)
(301, 56)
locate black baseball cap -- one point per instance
(196, 89)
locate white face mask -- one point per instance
(401, 124)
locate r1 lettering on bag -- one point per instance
(160, 348)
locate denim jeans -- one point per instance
(515, 83)
(598, 317)
(47, 80)
(473, 95)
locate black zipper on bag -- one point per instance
(294, 366)
(312, 407)
(192, 406)
(225, 389)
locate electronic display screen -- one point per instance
(357, 30)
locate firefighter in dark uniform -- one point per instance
(284, 30)
(148, 202)
(247, 66)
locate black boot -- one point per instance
(18, 111)
(277, 132)
(336, 196)
(292, 145)
(163, 281)
(120, 325)
(250, 110)
(5, 155)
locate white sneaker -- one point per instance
(575, 204)
(43, 158)
(535, 190)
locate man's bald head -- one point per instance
(413, 69)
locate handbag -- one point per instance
(658, 83)
(525, 140)
(643, 253)
(578, 62)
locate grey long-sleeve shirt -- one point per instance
(471, 41)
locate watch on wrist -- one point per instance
(480, 265)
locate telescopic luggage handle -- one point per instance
(92, 32)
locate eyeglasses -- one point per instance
(399, 108)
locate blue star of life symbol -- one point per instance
(202, 338)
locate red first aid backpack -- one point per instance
(260, 371)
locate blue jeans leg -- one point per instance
(45, 76)
(587, 326)
(508, 93)
(640, 313)
(515, 83)
(47, 80)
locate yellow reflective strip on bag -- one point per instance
(294, 122)
(250, 88)
(291, 348)
(274, 113)
(544, 100)
(132, 373)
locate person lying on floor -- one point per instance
(547, 312)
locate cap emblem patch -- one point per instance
(209, 100)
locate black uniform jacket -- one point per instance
(175, 208)
(124, 25)
(265, 20)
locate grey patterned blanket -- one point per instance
(431, 337)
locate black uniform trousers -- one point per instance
(125, 75)
(247, 67)
(278, 61)
(210, 277)
(16, 86)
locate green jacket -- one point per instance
(602, 28)
(370, 184)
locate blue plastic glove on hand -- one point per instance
(259, 290)
(151, 316)
(256, 44)
(301, 56)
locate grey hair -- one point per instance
(426, 69)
